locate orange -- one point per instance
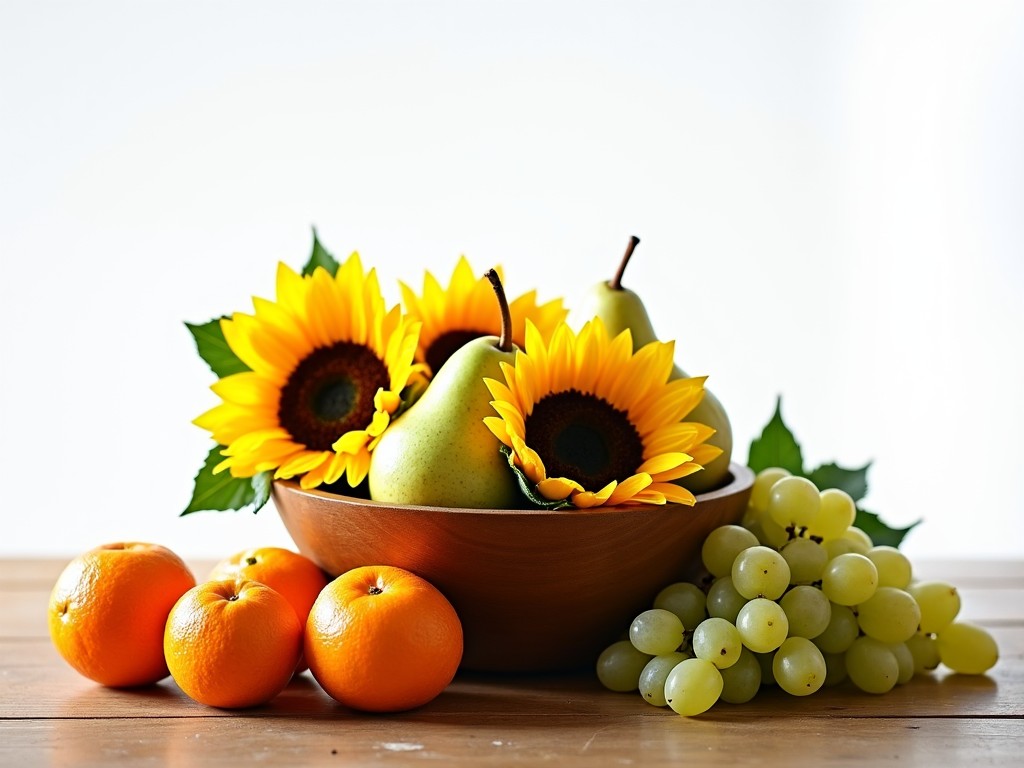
(296, 577)
(382, 639)
(232, 643)
(108, 608)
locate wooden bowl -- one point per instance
(536, 590)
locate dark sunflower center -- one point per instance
(445, 345)
(330, 393)
(584, 438)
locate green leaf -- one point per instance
(320, 257)
(214, 349)
(528, 489)
(776, 447)
(880, 533)
(853, 481)
(221, 492)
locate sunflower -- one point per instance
(589, 423)
(467, 310)
(328, 366)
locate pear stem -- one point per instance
(616, 283)
(505, 339)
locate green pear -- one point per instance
(439, 453)
(620, 308)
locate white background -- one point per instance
(829, 195)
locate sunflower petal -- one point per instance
(588, 499)
(629, 488)
(663, 463)
(673, 493)
(386, 400)
(556, 488)
(497, 426)
(301, 463)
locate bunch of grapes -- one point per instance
(796, 596)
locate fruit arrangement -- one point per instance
(459, 398)
(799, 597)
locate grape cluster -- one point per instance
(798, 597)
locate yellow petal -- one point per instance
(511, 415)
(386, 400)
(670, 438)
(673, 493)
(530, 462)
(497, 426)
(556, 488)
(247, 388)
(628, 488)
(663, 463)
(648, 496)
(358, 466)
(501, 392)
(351, 442)
(301, 463)
(705, 453)
(588, 499)
(685, 469)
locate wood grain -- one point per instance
(49, 715)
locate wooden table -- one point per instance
(49, 715)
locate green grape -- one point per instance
(764, 660)
(718, 641)
(760, 572)
(724, 602)
(861, 540)
(619, 666)
(762, 625)
(741, 681)
(890, 615)
(721, 547)
(967, 648)
(799, 667)
(905, 661)
(841, 546)
(693, 686)
(835, 669)
(656, 631)
(835, 514)
(939, 603)
(841, 631)
(808, 611)
(769, 533)
(894, 569)
(849, 579)
(871, 665)
(925, 651)
(794, 501)
(751, 519)
(806, 560)
(654, 674)
(685, 600)
(763, 483)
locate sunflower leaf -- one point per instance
(214, 349)
(880, 533)
(776, 447)
(528, 489)
(222, 492)
(320, 257)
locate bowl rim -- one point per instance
(741, 479)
